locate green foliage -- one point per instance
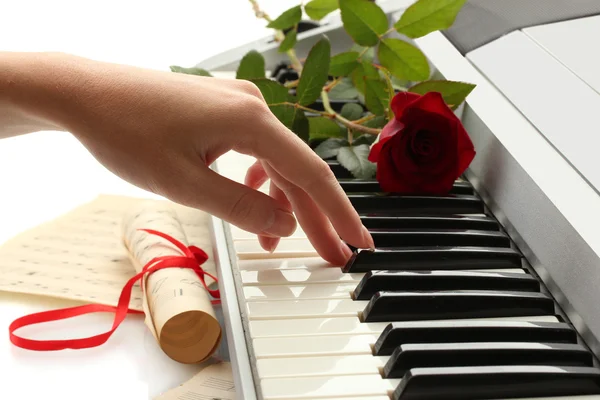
(367, 75)
(403, 60)
(323, 128)
(189, 71)
(315, 72)
(289, 41)
(318, 9)
(252, 66)
(453, 93)
(287, 19)
(331, 147)
(364, 21)
(426, 16)
(281, 104)
(345, 90)
(343, 64)
(351, 111)
(355, 159)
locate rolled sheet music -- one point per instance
(177, 306)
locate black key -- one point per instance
(339, 171)
(399, 204)
(497, 382)
(418, 355)
(427, 258)
(431, 222)
(371, 185)
(395, 281)
(410, 238)
(459, 304)
(448, 331)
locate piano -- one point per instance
(490, 293)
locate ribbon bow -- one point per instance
(193, 257)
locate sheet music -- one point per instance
(214, 382)
(81, 255)
(177, 305)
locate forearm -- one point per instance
(32, 92)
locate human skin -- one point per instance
(161, 131)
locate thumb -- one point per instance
(235, 203)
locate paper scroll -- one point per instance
(177, 306)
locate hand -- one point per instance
(162, 130)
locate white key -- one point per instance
(313, 326)
(304, 346)
(304, 308)
(320, 366)
(309, 263)
(327, 387)
(349, 325)
(359, 398)
(298, 276)
(287, 248)
(299, 292)
(240, 234)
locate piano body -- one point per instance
(494, 293)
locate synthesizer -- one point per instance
(490, 292)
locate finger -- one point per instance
(297, 163)
(249, 209)
(255, 176)
(269, 243)
(315, 224)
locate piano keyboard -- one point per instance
(444, 308)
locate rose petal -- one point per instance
(431, 102)
(402, 100)
(389, 130)
(389, 178)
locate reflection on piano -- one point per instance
(489, 293)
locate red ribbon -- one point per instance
(193, 257)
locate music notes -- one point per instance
(81, 256)
(214, 382)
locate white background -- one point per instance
(45, 174)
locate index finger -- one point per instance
(299, 164)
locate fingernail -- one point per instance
(270, 244)
(367, 238)
(284, 224)
(346, 250)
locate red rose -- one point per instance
(423, 149)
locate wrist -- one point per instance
(35, 90)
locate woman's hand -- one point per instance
(161, 131)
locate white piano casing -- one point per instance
(537, 178)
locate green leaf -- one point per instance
(314, 73)
(364, 139)
(273, 92)
(330, 147)
(251, 66)
(355, 159)
(318, 9)
(289, 41)
(351, 111)
(426, 16)
(367, 80)
(454, 93)
(300, 125)
(343, 64)
(378, 122)
(190, 71)
(322, 127)
(369, 52)
(403, 60)
(344, 90)
(364, 21)
(287, 19)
